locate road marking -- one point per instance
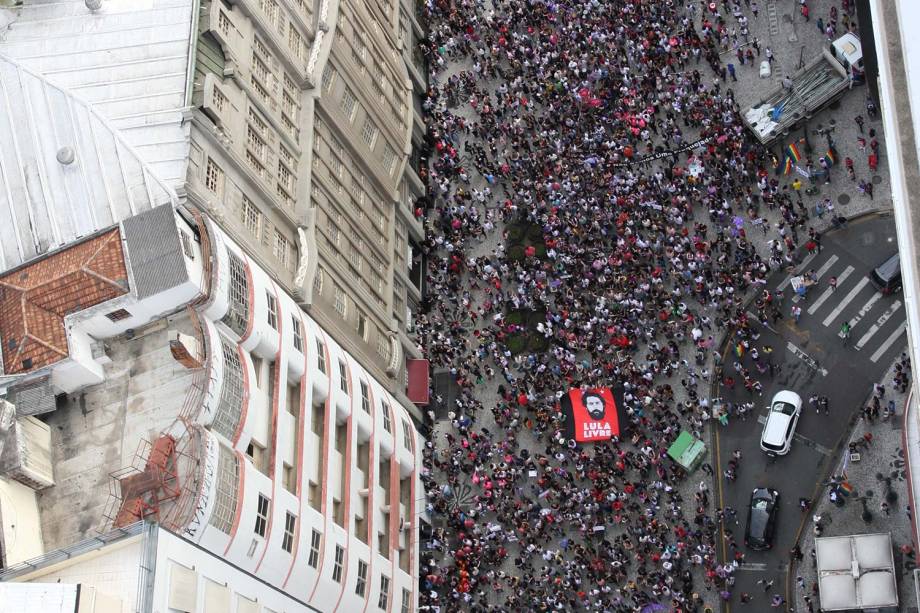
(820, 272)
(762, 419)
(830, 290)
(755, 566)
(805, 262)
(846, 300)
(805, 358)
(889, 342)
(862, 311)
(878, 324)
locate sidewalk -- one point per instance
(883, 457)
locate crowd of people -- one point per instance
(545, 114)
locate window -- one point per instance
(214, 177)
(253, 160)
(315, 540)
(230, 408)
(270, 8)
(237, 315)
(337, 567)
(261, 515)
(320, 356)
(295, 43)
(384, 598)
(252, 218)
(406, 601)
(354, 257)
(298, 335)
(257, 122)
(228, 480)
(383, 346)
(218, 99)
(118, 315)
(359, 50)
(407, 435)
(387, 423)
(369, 133)
(280, 248)
(287, 541)
(272, 310)
(259, 70)
(365, 398)
(349, 103)
(186, 245)
(318, 281)
(257, 455)
(343, 376)
(362, 326)
(256, 144)
(335, 166)
(389, 157)
(223, 24)
(361, 585)
(289, 478)
(341, 301)
(328, 77)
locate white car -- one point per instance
(781, 421)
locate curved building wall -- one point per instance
(302, 441)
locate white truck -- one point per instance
(820, 82)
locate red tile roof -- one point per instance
(35, 298)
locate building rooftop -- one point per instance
(35, 298)
(92, 129)
(99, 430)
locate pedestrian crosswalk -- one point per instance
(877, 323)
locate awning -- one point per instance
(418, 387)
(687, 450)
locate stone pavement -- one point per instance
(884, 457)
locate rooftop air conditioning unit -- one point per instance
(25, 448)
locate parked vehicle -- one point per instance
(761, 519)
(820, 82)
(782, 419)
(887, 276)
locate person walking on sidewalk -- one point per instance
(833, 283)
(796, 312)
(845, 332)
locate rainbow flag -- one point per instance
(787, 168)
(846, 488)
(831, 156)
(793, 152)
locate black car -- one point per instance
(761, 519)
(887, 276)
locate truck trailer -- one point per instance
(823, 80)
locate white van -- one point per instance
(781, 422)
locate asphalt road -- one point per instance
(814, 361)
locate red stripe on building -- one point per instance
(239, 505)
(301, 427)
(325, 466)
(276, 394)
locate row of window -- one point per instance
(350, 31)
(275, 17)
(287, 544)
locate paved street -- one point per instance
(814, 360)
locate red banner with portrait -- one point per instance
(593, 415)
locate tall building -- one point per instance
(200, 396)
(295, 124)
(899, 103)
(208, 248)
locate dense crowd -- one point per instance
(540, 113)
